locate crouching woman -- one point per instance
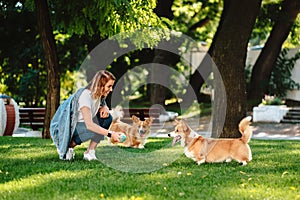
(84, 116)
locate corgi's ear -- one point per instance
(184, 125)
(149, 120)
(135, 119)
(176, 121)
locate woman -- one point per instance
(84, 116)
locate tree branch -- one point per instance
(201, 23)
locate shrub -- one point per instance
(272, 100)
(280, 81)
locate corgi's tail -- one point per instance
(117, 113)
(245, 129)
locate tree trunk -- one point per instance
(262, 69)
(197, 79)
(158, 92)
(229, 51)
(164, 9)
(53, 74)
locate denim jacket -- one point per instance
(64, 122)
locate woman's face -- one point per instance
(108, 87)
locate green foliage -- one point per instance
(197, 110)
(78, 27)
(280, 81)
(294, 36)
(142, 38)
(30, 91)
(20, 55)
(188, 13)
(272, 100)
(22, 67)
(30, 169)
(264, 23)
(105, 18)
(81, 25)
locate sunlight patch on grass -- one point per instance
(28, 153)
(39, 179)
(258, 190)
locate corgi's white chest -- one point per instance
(188, 153)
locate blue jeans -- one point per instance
(82, 134)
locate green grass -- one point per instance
(30, 169)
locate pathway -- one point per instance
(282, 131)
(202, 125)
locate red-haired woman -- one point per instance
(84, 116)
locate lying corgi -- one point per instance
(211, 150)
(136, 134)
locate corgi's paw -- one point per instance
(201, 161)
(243, 163)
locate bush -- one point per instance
(272, 100)
(280, 81)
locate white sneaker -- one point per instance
(90, 155)
(70, 154)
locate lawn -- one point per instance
(30, 169)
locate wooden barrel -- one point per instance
(10, 120)
(2, 117)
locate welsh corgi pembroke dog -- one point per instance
(211, 150)
(136, 134)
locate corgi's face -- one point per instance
(182, 132)
(143, 127)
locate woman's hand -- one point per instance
(104, 112)
(116, 136)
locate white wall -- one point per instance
(295, 94)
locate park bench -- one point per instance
(142, 113)
(32, 117)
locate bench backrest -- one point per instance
(142, 113)
(33, 117)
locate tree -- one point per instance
(22, 62)
(196, 19)
(53, 72)
(20, 66)
(228, 51)
(157, 92)
(262, 69)
(91, 18)
(94, 22)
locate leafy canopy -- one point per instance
(105, 17)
